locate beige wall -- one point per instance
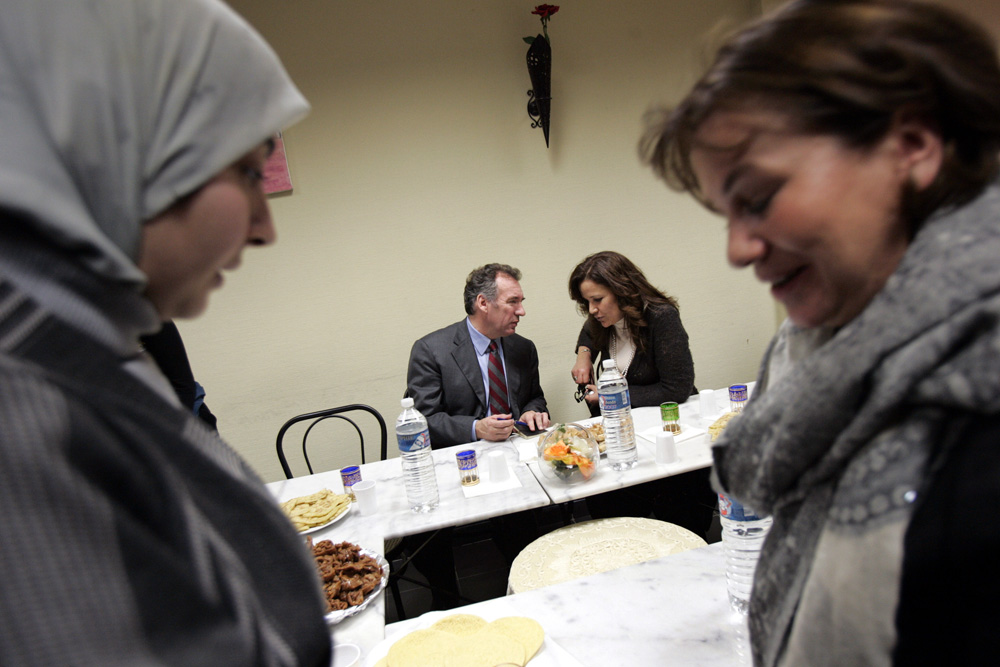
(418, 164)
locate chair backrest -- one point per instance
(331, 413)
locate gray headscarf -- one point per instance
(114, 109)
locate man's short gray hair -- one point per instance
(484, 281)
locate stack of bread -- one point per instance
(316, 509)
(466, 640)
(719, 425)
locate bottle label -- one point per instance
(734, 511)
(616, 401)
(415, 442)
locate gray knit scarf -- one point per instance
(839, 449)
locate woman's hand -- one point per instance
(583, 368)
(591, 395)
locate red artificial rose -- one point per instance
(545, 11)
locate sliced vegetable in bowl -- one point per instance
(569, 453)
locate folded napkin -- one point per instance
(527, 448)
(485, 486)
(687, 432)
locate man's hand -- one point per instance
(495, 427)
(536, 421)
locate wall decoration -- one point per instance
(539, 59)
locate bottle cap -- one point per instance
(608, 363)
(406, 403)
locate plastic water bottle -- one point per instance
(415, 451)
(616, 408)
(743, 534)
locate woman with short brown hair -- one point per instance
(852, 147)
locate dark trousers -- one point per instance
(436, 561)
(513, 532)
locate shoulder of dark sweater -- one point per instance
(664, 326)
(661, 313)
(948, 592)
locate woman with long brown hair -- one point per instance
(634, 323)
(631, 321)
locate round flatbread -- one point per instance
(527, 631)
(460, 624)
(421, 648)
(316, 509)
(485, 649)
(719, 425)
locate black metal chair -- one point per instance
(322, 415)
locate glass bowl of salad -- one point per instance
(568, 453)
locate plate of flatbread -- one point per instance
(317, 510)
(470, 640)
(719, 425)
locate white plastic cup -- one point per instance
(499, 471)
(666, 449)
(346, 655)
(364, 492)
(706, 402)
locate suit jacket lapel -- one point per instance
(464, 355)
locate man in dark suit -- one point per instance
(467, 388)
(472, 380)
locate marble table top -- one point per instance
(692, 453)
(676, 610)
(394, 518)
(672, 610)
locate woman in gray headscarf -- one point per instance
(852, 147)
(134, 136)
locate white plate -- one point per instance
(330, 522)
(334, 617)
